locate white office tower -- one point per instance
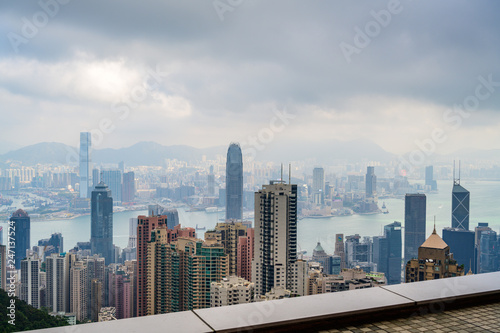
(57, 285)
(30, 280)
(275, 250)
(79, 290)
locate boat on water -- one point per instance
(384, 209)
(214, 209)
(200, 228)
(319, 216)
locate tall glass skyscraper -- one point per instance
(460, 207)
(113, 178)
(128, 187)
(318, 186)
(22, 226)
(462, 245)
(429, 178)
(371, 182)
(488, 256)
(234, 182)
(415, 217)
(85, 168)
(101, 232)
(392, 234)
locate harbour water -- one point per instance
(484, 207)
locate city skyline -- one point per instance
(163, 157)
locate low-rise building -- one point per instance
(230, 291)
(274, 294)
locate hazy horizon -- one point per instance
(190, 73)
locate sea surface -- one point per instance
(484, 207)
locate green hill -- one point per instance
(26, 316)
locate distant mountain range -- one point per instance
(142, 153)
(152, 153)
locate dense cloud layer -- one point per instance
(175, 73)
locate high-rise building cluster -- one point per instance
(166, 268)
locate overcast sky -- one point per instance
(205, 73)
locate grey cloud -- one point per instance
(274, 52)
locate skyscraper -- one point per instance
(128, 188)
(22, 226)
(415, 218)
(95, 299)
(57, 273)
(229, 233)
(121, 291)
(371, 182)
(358, 252)
(340, 249)
(85, 167)
(30, 280)
(211, 182)
(435, 261)
(113, 178)
(380, 253)
(459, 206)
(95, 271)
(144, 228)
(318, 185)
(101, 232)
(172, 218)
(429, 178)
(392, 233)
(96, 177)
(326, 260)
(181, 272)
(275, 249)
(145, 225)
(488, 253)
(234, 182)
(55, 240)
(462, 245)
(245, 255)
(79, 291)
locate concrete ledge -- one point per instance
(307, 309)
(314, 312)
(449, 289)
(182, 322)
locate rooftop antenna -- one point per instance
(459, 172)
(434, 232)
(289, 173)
(281, 173)
(454, 179)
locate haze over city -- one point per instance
(306, 166)
(218, 75)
